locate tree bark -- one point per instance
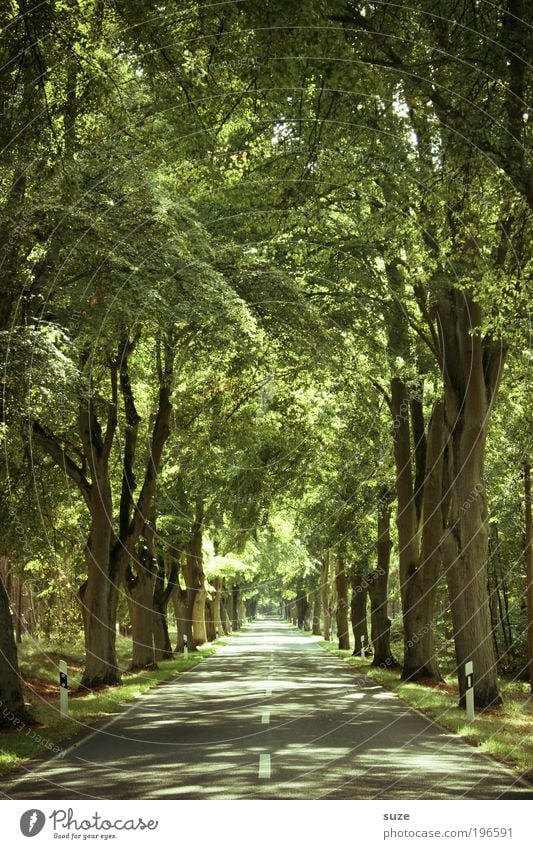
(341, 583)
(179, 600)
(235, 597)
(139, 582)
(406, 518)
(99, 592)
(209, 619)
(162, 594)
(317, 606)
(472, 371)
(301, 608)
(324, 586)
(528, 553)
(420, 659)
(358, 612)
(195, 582)
(378, 587)
(11, 699)
(225, 607)
(217, 607)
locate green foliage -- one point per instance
(281, 210)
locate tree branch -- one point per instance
(51, 444)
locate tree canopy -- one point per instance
(265, 288)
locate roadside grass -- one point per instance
(39, 669)
(505, 733)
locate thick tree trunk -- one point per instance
(99, 600)
(420, 659)
(242, 611)
(358, 612)
(236, 621)
(324, 586)
(465, 552)
(209, 619)
(162, 593)
(195, 580)
(301, 608)
(179, 600)
(217, 607)
(333, 603)
(472, 372)
(341, 584)
(293, 612)
(99, 594)
(406, 518)
(317, 605)
(11, 699)
(139, 583)
(199, 629)
(528, 553)
(378, 587)
(251, 608)
(419, 525)
(225, 608)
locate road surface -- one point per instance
(271, 716)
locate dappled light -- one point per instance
(266, 521)
(331, 733)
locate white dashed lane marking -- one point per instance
(264, 766)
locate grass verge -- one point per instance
(505, 733)
(39, 669)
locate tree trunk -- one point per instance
(358, 612)
(506, 643)
(235, 598)
(494, 614)
(217, 607)
(324, 586)
(210, 620)
(199, 615)
(301, 608)
(317, 604)
(162, 593)
(378, 587)
(18, 626)
(179, 600)
(333, 603)
(11, 700)
(420, 659)
(472, 373)
(99, 594)
(406, 518)
(528, 553)
(506, 617)
(194, 576)
(225, 607)
(251, 608)
(139, 583)
(341, 584)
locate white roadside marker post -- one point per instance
(362, 647)
(63, 689)
(469, 676)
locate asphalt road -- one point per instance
(271, 716)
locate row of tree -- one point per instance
(264, 286)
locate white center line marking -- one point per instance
(264, 766)
(265, 718)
